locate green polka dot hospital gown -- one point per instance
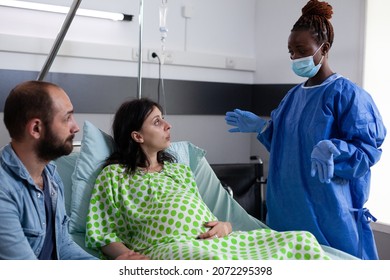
(161, 214)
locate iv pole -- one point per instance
(59, 39)
(141, 19)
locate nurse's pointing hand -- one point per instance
(244, 121)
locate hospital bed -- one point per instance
(80, 169)
(246, 183)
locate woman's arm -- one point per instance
(119, 251)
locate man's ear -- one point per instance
(137, 137)
(34, 128)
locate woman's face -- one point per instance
(155, 133)
(301, 44)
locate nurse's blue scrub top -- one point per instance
(340, 111)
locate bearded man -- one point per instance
(39, 118)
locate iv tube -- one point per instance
(163, 21)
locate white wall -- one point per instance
(195, 41)
(376, 82)
(274, 21)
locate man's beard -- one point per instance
(51, 147)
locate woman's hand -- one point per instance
(217, 229)
(131, 255)
(118, 251)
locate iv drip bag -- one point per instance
(163, 19)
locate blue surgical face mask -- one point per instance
(305, 66)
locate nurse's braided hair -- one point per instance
(315, 18)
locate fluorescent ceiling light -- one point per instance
(64, 10)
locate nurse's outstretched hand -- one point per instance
(244, 121)
(322, 160)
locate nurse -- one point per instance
(323, 139)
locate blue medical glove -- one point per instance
(244, 121)
(322, 160)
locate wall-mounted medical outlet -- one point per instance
(168, 57)
(187, 11)
(230, 63)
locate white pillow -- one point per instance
(96, 146)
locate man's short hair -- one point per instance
(28, 100)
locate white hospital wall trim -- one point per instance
(77, 65)
(101, 51)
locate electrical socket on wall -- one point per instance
(166, 57)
